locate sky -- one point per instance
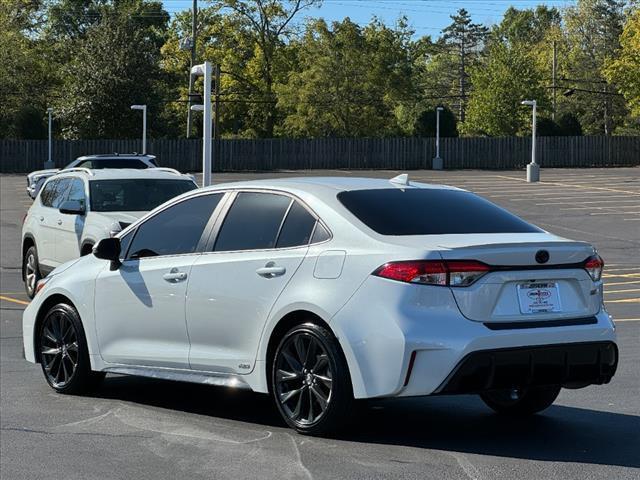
(426, 17)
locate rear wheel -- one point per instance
(31, 271)
(310, 380)
(521, 401)
(63, 352)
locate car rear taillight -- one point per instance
(454, 273)
(593, 266)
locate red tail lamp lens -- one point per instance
(594, 266)
(456, 273)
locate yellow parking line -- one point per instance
(607, 284)
(583, 187)
(13, 300)
(616, 320)
(622, 291)
(626, 300)
(622, 275)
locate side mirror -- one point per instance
(108, 249)
(72, 207)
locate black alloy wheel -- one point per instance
(63, 352)
(310, 381)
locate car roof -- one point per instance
(123, 173)
(326, 186)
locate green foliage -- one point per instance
(506, 77)
(114, 65)
(92, 59)
(624, 70)
(425, 125)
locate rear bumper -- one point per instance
(410, 340)
(569, 365)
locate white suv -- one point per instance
(78, 207)
(36, 179)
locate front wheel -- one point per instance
(521, 401)
(63, 352)
(310, 381)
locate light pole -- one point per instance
(437, 162)
(205, 70)
(533, 169)
(144, 125)
(49, 162)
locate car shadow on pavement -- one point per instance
(452, 424)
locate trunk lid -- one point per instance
(520, 288)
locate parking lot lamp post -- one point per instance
(437, 162)
(533, 169)
(144, 125)
(205, 70)
(49, 162)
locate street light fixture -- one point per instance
(533, 169)
(144, 125)
(205, 71)
(437, 162)
(49, 163)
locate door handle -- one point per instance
(270, 270)
(59, 222)
(175, 276)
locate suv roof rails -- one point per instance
(76, 169)
(167, 169)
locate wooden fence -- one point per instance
(341, 153)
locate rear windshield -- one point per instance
(413, 211)
(134, 195)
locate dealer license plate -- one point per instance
(539, 297)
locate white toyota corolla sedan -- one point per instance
(320, 291)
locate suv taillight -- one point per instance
(593, 266)
(453, 273)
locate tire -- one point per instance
(31, 270)
(526, 402)
(310, 382)
(64, 357)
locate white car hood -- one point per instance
(124, 217)
(38, 173)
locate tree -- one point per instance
(507, 77)
(425, 125)
(593, 29)
(350, 81)
(465, 38)
(115, 65)
(624, 70)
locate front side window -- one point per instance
(136, 194)
(59, 194)
(47, 192)
(76, 191)
(430, 211)
(175, 230)
(253, 222)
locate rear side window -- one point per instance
(253, 222)
(113, 163)
(176, 230)
(414, 211)
(297, 227)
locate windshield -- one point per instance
(418, 211)
(134, 195)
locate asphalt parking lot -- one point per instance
(139, 428)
